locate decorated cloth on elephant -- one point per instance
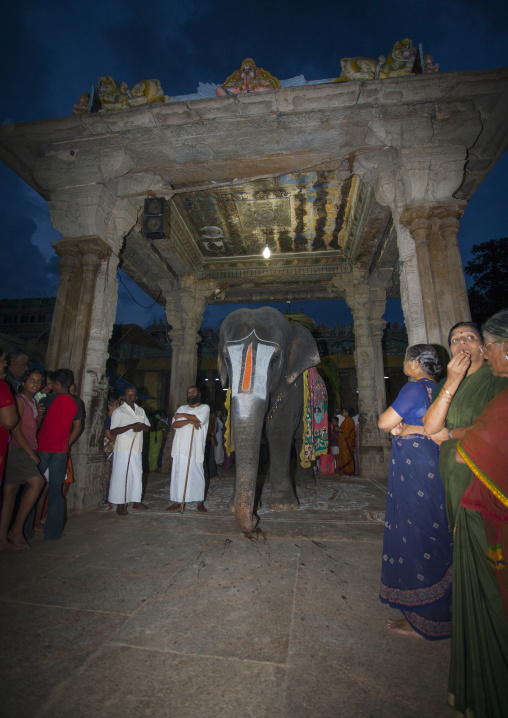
(346, 461)
(315, 417)
(180, 451)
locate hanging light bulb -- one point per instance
(266, 252)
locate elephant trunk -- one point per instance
(248, 415)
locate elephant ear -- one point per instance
(303, 353)
(222, 369)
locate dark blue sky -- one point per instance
(53, 51)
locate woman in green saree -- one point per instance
(478, 683)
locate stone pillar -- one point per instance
(60, 325)
(185, 307)
(377, 327)
(367, 306)
(433, 228)
(448, 229)
(94, 224)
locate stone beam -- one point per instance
(159, 146)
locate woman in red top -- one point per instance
(22, 461)
(8, 414)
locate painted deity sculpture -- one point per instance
(113, 96)
(399, 62)
(430, 65)
(249, 78)
(82, 105)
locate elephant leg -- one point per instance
(304, 477)
(279, 432)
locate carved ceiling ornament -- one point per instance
(297, 213)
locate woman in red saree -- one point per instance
(478, 679)
(346, 444)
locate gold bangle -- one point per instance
(443, 398)
(448, 392)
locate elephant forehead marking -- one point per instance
(250, 359)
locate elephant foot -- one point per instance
(283, 503)
(307, 483)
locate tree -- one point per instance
(489, 269)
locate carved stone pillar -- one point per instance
(377, 327)
(185, 308)
(433, 228)
(60, 325)
(90, 264)
(94, 223)
(448, 229)
(365, 305)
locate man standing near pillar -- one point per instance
(60, 427)
(128, 423)
(17, 364)
(188, 451)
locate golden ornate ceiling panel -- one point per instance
(302, 214)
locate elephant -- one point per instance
(264, 356)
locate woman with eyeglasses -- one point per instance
(478, 683)
(458, 401)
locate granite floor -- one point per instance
(159, 614)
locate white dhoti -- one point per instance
(117, 491)
(189, 442)
(195, 481)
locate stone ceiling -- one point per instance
(316, 224)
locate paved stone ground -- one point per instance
(159, 614)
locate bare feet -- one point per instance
(201, 508)
(173, 507)
(138, 506)
(121, 510)
(39, 526)
(403, 627)
(18, 541)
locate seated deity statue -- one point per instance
(399, 62)
(430, 65)
(146, 92)
(112, 95)
(249, 78)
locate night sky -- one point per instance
(54, 51)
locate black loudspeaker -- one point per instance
(156, 218)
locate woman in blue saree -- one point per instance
(416, 575)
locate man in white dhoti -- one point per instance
(128, 423)
(188, 451)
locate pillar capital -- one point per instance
(81, 246)
(419, 212)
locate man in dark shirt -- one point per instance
(17, 362)
(60, 427)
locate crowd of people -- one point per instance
(446, 539)
(40, 418)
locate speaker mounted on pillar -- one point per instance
(156, 218)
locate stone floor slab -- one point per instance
(125, 682)
(340, 640)
(234, 599)
(125, 571)
(41, 646)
